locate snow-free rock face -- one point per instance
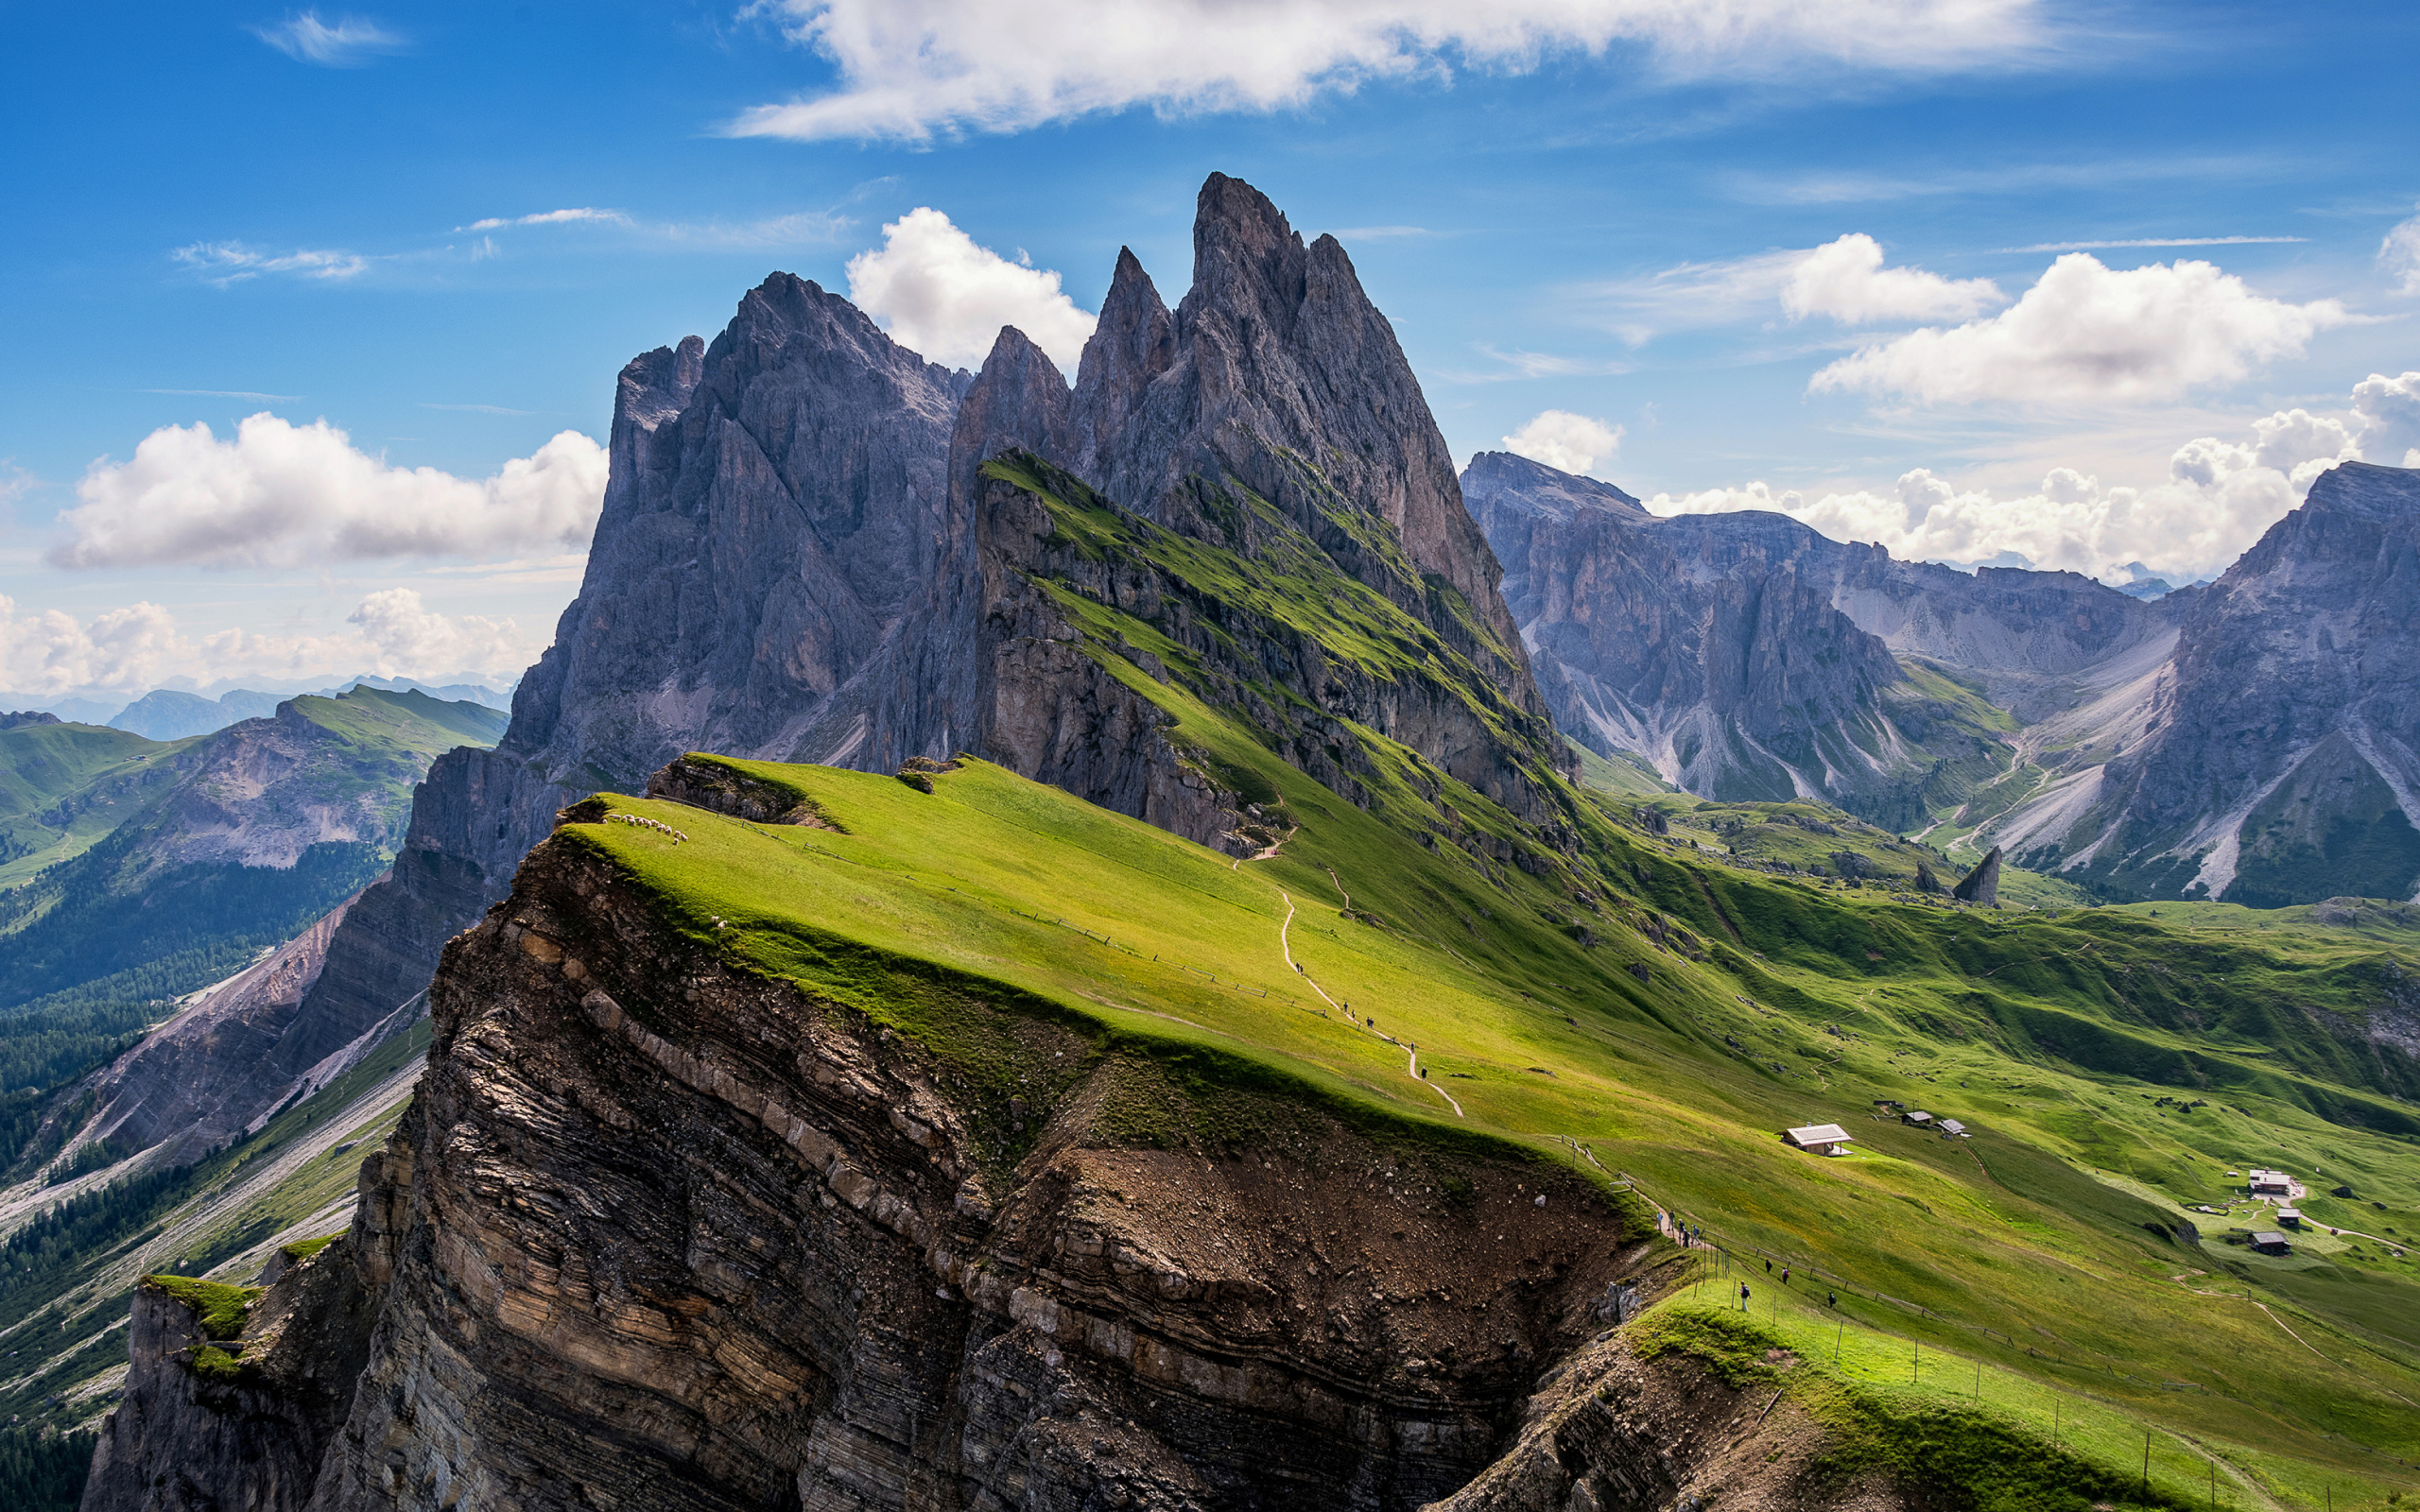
(797, 560)
(667, 1235)
(2281, 762)
(1746, 656)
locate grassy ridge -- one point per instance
(2039, 1230)
(1624, 1002)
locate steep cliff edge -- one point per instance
(662, 1228)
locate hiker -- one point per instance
(1743, 1297)
(1768, 1267)
(1831, 1301)
(1785, 1275)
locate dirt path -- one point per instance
(1412, 1066)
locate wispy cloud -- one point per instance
(223, 393)
(349, 42)
(2152, 241)
(224, 262)
(548, 217)
(1821, 188)
(479, 409)
(1516, 364)
(805, 228)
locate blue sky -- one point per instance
(1602, 210)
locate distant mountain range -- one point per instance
(172, 714)
(2250, 740)
(133, 871)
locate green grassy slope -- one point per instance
(2024, 1249)
(1628, 1003)
(94, 948)
(63, 788)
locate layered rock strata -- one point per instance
(664, 1234)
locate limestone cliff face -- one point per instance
(662, 1234)
(248, 1428)
(2281, 763)
(1748, 657)
(797, 560)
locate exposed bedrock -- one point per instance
(665, 1235)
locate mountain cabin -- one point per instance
(1819, 1138)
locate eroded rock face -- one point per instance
(2283, 760)
(249, 1431)
(659, 1233)
(1746, 656)
(202, 1079)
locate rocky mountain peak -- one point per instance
(1280, 376)
(1513, 481)
(1134, 343)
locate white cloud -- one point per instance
(1695, 294)
(1846, 280)
(349, 43)
(2400, 254)
(940, 294)
(225, 263)
(2217, 498)
(2086, 332)
(47, 652)
(2388, 409)
(285, 495)
(548, 217)
(911, 68)
(1563, 439)
(403, 634)
(139, 646)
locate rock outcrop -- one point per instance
(209, 1421)
(663, 1234)
(25, 718)
(2279, 754)
(1981, 886)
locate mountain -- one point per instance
(1210, 1053)
(2274, 757)
(144, 871)
(167, 714)
(800, 557)
(1747, 656)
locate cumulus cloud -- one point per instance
(280, 494)
(349, 42)
(911, 68)
(2388, 409)
(225, 263)
(1563, 439)
(938, 293)
(2087, 332)
(49, 653)
(2400, 254)
(2217, 498)
(1843, 279)
(1846, 280)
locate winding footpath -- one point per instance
(1411, 1068)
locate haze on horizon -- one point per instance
(319, 310)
